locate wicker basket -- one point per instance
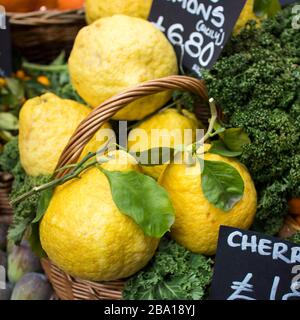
(5, 188)
(40, 36)
(65, 286)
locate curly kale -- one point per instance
(295, 238)
(25, 211)
(257, 84)
(174, 273)
(10, 155)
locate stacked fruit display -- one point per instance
(110, 215)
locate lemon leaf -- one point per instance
(222, 184)
(155, 156)
(8, 121)
(235, 139)
(143, 199)
(34, 240)
(218, 147)
(43, 204)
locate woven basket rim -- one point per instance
(46, 17)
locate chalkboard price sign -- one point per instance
(197, 29)
(286, 2)
(5, 46)
(253, 266)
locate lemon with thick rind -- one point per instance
(168, 128)
(116, 53)
(84, 233)
(45, 126)
(96, 9)
(197, 221)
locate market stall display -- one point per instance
(110, 212)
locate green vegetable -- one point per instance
(10, 156)
(295, 238)
(257, 84)
(143, 199)
(24, 212)
(173, 274)
(222, 184)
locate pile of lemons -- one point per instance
(83, 231)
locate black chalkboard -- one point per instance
(197, 29)
(5, 47)
(254, 266)
(286, 2)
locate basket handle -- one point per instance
(91, 124)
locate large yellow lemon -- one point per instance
(96, 9)
(165, 129)
(85, 234)
(197, 221)
(117, 53)
(46, 125)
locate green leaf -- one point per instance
(143, 199)
(154, 156)
(267, 7)
(60, 60)
(43, 204)
(34, 240)
(219, 147)
(8, 121)
(16, 88)
(222, 184)
(235, 139)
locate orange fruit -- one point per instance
(69, 4)
(19, 5)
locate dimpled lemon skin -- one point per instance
(117, 53)
(46, 125)
(96, 9)
(197, 222)
(85, 234)
(169, 120)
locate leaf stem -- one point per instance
(45, 68)
(213, 119)
(54, 183)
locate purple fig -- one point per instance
(32, 286)
(21, 261)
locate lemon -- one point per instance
(171, 125)
(197, 221)
(96, 9)
(246, 15)
(85, 234)
(46, 125)
(117, 53)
